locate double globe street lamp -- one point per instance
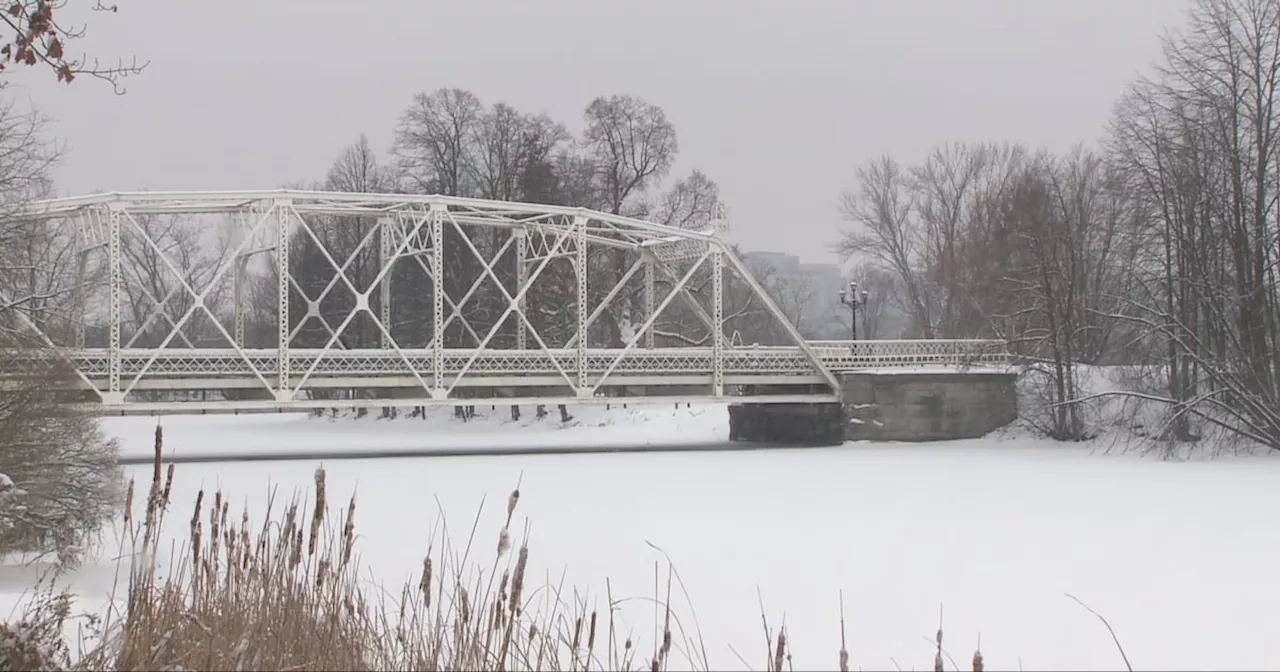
(855, 301)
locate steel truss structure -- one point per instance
(596, 267)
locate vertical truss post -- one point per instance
(238, 280)
(283, 391)
(580, 262)
(115, 290)
(717, 319)
(648, 301)
(385, 250)
(438, 390)
(78, 307)
(522, 336)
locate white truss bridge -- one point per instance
(288, 300)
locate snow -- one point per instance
(1175, 555)
(592, 425)
(995, 532)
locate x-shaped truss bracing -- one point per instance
(294, 299)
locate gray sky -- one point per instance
(776, 100)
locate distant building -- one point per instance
(816, 286)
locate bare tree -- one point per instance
(629, 144)
(1198, 142)
(632, 145)
(434, 141)
(59, 479)
(886, 231)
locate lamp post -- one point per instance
(855, 301)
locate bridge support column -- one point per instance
(790, 424)
(927, 406)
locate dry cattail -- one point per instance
(128, 504)
(168, 486)
(937, 656)
(780, 652)
(424, 586)
(295, 552)
(517, 580)
(844, 660)
(464, 604)
(577, 636)
(504, 541)
(349, 532)
(317, 517)
(977, 660)
(322, 572)
(159, 457)
(511, 503)
(591, 634)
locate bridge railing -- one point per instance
(960, 353)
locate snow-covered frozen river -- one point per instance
(1176, 555)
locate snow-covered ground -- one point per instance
(491, 428)
(995, 532)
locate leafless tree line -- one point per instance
(448, 142)
(1157, 248)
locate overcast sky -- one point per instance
(776, 100)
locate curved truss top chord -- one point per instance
(628, 232)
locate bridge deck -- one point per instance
(184, 377)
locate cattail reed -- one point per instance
(504, 541)
(937, 655)
(517, 580)
(424, 586)
(195, 527)
(780, 651)
(295, 554)
(317, 517)
(977, 660)
(168, 487)
(512, 500)
(128, 504)
(215, 525)
(159, 458)
(591, 636)
(349, 532)
(322, 572)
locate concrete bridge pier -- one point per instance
(887, 406)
